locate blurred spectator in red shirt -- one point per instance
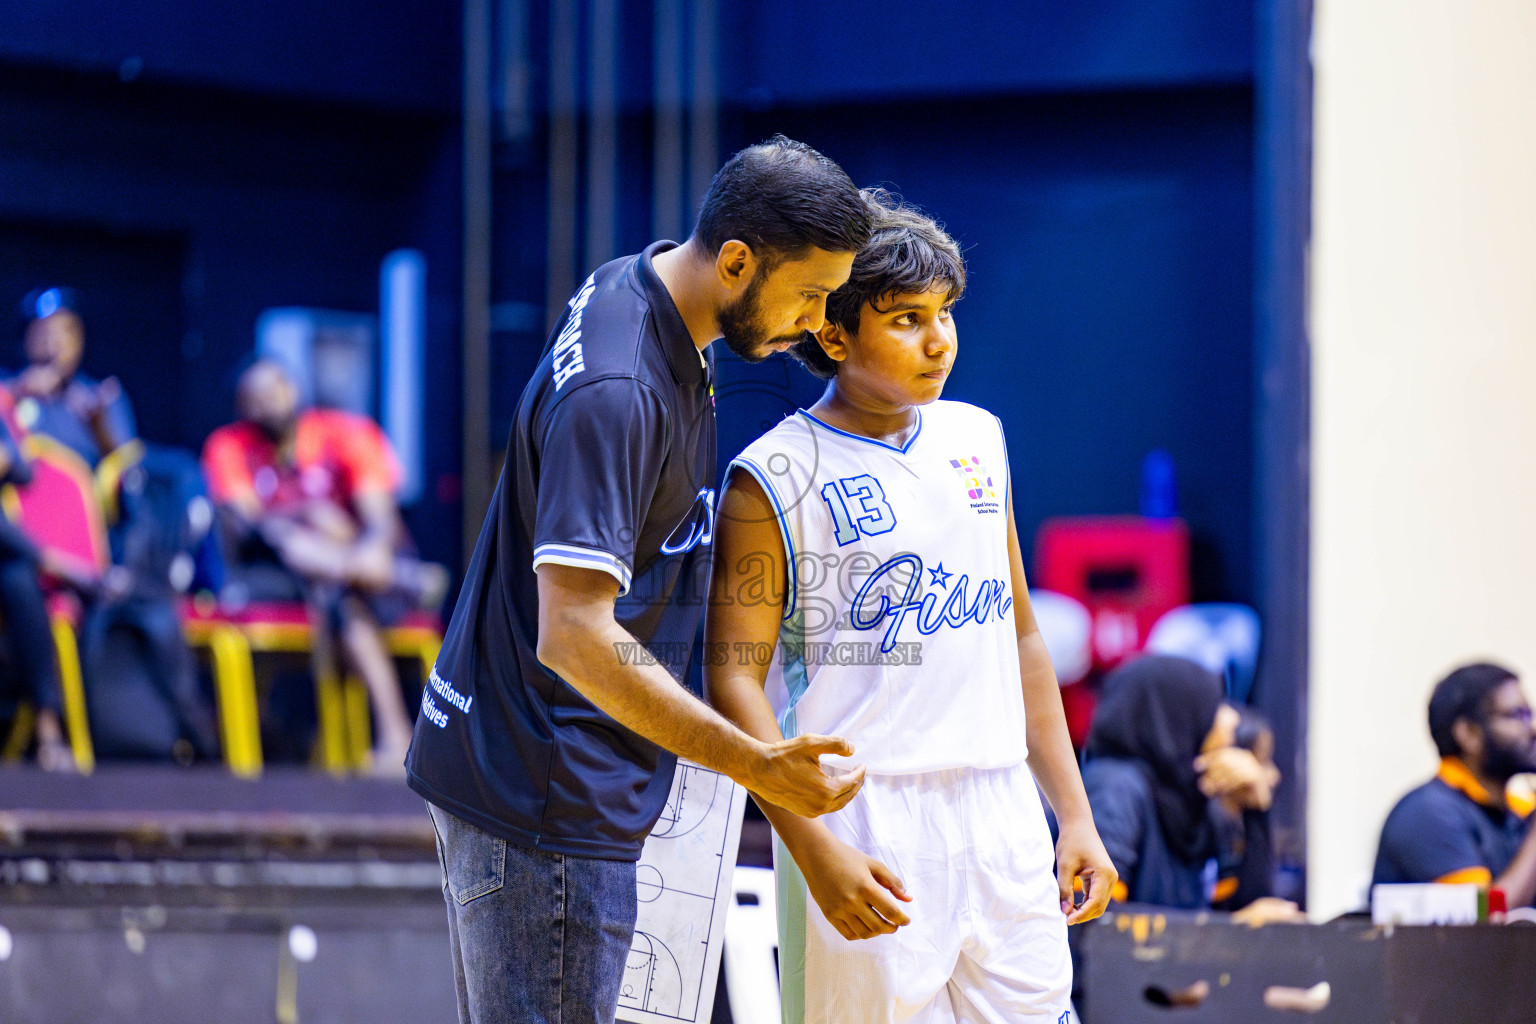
(52, 396)
(307, 502)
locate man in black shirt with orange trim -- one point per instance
(550, 724)
(1461, 826)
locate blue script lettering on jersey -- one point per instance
(566, 358)
(872, 607)
(696, 528)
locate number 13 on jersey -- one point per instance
(870, 513)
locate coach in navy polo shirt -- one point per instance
(1461, 826)
(549, 728)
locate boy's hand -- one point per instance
(857, 894)
(791, 776)
(1080, 853)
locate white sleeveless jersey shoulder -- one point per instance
(898, 630)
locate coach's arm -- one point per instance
(580, 640)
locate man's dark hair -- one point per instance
(1463, 694)
(907, 252)
(782, 198)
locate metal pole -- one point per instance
(476, 456)
(602, 136)
(704, 145)
(563, 141)
(1282, 396)
(667, 163)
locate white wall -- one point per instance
(1423, 320)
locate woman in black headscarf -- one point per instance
(1157, 715)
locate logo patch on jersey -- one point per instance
(698, 527)
(977, 481)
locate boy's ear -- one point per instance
(833, 340)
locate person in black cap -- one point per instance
(52, 396)
(548, 730)
(1462, 826)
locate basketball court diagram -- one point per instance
(683, 885)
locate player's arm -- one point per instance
(580, 639)
(1079, 852)
(857, 893)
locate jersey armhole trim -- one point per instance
(789, 544)
(1002, 436)
(583, 558)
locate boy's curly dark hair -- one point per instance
(907, 252)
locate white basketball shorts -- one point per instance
(988, 941)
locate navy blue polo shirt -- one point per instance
(1125, 815)
(611, 467)
(1448, 830)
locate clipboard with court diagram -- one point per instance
(683, 884)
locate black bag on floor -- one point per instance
(143, 698)
(142, 690)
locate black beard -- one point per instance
(1504, 762)
(740, 332)
(741, 326)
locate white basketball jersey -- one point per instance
(898, 630)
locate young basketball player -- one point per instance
(869, 542)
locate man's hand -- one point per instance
(309, 554)
(90, 403)
(857, 893)
(371, 564)
(1080, 853)
(37, 380)
(791, 776)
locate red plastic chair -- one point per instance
(1128, 571)
(58, 510)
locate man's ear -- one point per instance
(833, 340)
(1469, 737)
(735, 264)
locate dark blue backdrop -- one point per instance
(188, 166)
(1108, 312)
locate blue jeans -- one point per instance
(536, 938)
